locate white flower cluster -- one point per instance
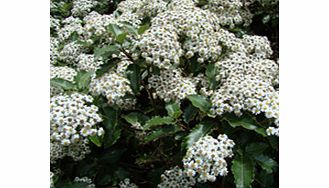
(71, 25)
(54, 52)
(142, 8)
(114, 87)
(71, 52)
(127, 184)
(160, 46)
(72, 120)
(85, 180)
(64, 72)
(82, 7)
(247, 78)
(54, 23)
(88, 62)
(180, 30)
(171, 86)
(176, 178)
(96, 23)
(76, 152)
(205, 159)
(228, 11)
(272, 131)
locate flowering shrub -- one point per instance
(164, 93)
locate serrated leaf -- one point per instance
(157, 120)
(197, 132)
(134, 74)
(256, 148)
(200, 102)
(121, 37)
(162, 132)
(142, 29)
(173, 110)
(96, 140)
(83, 79)
(189, 113)
(243, 171)
(266, 163)
(245, 122)
(64, 84)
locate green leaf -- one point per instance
(106, 67)
(162, 132)
(131, 29)
(135, 117)
(121, 37)
(114, 29)
(211, 72)
(106, 51)
(83, 79)
(266, 163)
(64, 84)
(243, 171)
(112, 128)
(96, 140)
(256, 148)
(174, 110)
(200, 102)
(157, 120)
(245, 122)
(197, 132)
(143, 28)
(134, 75)
(189, 113)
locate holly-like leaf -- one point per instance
(211, 73)
(256, 148)
(134, 75)
(243, 171)
(200, 102)
(83, 79)
(135, 117)
(197, 132)
(106, 67)
(64, 84)
(173, 110)
(157, 120)
(266, 162)
(162, 132)
(114, 29)
(105, 51)
(112, 128)
(96, 140)
(245, 122)
(189, 113)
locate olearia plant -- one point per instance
(164, 93)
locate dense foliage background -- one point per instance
(140, 134)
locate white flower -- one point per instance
(204, 160)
